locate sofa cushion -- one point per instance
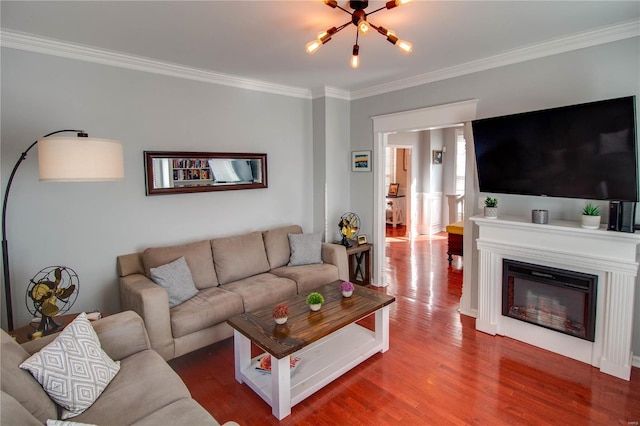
(239, 257)
(73, 369)
(145, 384)
(306, 249)
(181, 412)
(209, 307)
(262, 290)
(13, 413)
(21, 385)
(198, 257)
(176, 278)
(309, 277)
(276, 242)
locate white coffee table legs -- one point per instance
(280, 387)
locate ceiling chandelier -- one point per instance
(359, 19)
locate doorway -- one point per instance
(432, 117)
(398, 178)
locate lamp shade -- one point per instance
(79, 159)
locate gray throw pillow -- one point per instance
(305, 249)
(176, 278)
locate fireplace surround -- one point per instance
(609, 256)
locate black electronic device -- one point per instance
(586, 151)
(614, 216)
(627, 216)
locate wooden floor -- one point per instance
(438, 370)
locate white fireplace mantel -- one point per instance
(612, 256)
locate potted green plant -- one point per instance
(491, 208)
(590, 216)
(315, 301)
(280, 313)
(347, 287)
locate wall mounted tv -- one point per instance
(586, 151)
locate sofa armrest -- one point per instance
(121, 335)
(141, 295)
(336, 254)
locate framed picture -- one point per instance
(360, 161)
(393, 189)
(437, 157)
(362, 239)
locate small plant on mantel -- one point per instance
(591, 210)
(281, 313)
(491, 202)
(590, 216)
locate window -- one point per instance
(461, 159)
(389, 166)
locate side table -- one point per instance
(360, 263)
(23, 334)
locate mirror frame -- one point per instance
(149, 156)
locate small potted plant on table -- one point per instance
(315, 301)
(346, 287)
(491, 208)
(590, 216)
(280, 313)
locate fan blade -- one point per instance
(63, 293)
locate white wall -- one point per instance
(602, 72)
(86, 225)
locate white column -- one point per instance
(616, 349)
(488, 296)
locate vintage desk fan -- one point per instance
(51, 292)
(349, 226)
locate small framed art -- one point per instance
(362, 239)
(393, 189)
(437, 157)
(360, 161)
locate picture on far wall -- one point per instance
(360, 161)
(437, 157)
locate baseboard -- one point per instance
(635, 361)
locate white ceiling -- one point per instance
(265, 40)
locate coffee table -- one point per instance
(328, 343)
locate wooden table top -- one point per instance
(305, 326)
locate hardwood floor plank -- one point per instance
(439, 370)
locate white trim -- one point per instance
(454, 113)
(32, 43)
(15, 40)
(331, 92)
(535, 51)
(635, 361)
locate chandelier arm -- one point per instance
(377, 10)
(343, 9)
(342, 27)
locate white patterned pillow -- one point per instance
(73, 369)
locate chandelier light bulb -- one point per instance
(393, 3)
(404, 46)
(313, 46)
(355, 58)
(363, 26)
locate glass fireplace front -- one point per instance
(557, 299)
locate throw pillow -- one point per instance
(73, 369)
(305, 249)
(176, 278)
(66, 423)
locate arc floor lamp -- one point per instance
(63, 159)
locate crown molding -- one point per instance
(21, 41)
(30, 43)
(535, 51)
(331, 92)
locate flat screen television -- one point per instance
(586, 151)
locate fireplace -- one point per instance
(611, 256)
(557, 299)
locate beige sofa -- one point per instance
(146, 391)
(232, 274)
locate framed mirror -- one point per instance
(179, 172)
